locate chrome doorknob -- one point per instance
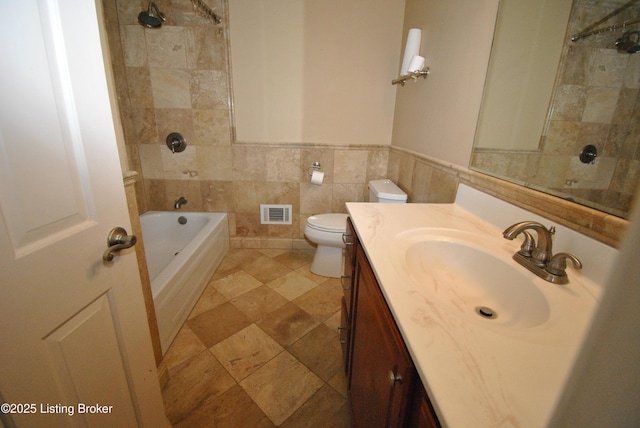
(117, 240)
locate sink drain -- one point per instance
(485, 312)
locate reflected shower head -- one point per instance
(152, 17)
(629, 42)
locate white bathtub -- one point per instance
(181, 259)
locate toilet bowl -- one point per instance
(326, 230)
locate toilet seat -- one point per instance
(333, 223)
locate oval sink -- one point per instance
(470, 279)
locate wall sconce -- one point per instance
(413, 65)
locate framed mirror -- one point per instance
(559, 115)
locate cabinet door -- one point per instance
(382, 373)
(422, 414)
(347, 279)
(344, 332)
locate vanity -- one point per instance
(441, 327)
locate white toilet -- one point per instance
(326, 230)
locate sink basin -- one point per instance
(464, 274)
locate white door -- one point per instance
(75, 348)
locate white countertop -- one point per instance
(478, 374)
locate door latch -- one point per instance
(117, 240)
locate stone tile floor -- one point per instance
(260, 348)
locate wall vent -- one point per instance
(275, 214)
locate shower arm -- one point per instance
(158, 14)
(589, 31)
(206, 11)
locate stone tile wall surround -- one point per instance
(250, 175)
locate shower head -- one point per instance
(629, 42)
(152, 17)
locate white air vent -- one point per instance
(275, 214)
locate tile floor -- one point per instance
(260, 348)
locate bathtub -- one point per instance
(181, 259)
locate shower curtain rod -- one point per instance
(589, 31)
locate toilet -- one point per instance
(326, 230)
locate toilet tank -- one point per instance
(386, 191)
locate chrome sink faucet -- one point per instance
(538, 258)
(180, 202)
(541, 252)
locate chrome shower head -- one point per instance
(152, 17)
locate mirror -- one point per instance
(562, 116)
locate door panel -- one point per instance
(79, 367)
(40, 132)
(74, 329)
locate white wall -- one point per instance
(437, 117)
(604, 388)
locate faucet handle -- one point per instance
(558, 263)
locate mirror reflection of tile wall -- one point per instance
(596, 102)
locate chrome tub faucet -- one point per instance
(180, 202)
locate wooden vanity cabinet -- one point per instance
(384, 387)
(422, 413)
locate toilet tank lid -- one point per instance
(387, 189)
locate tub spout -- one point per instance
(180, 202)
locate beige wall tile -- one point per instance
(179, 166)
(170, 88)
(350, 166)
(217, 196)
(134, 46)
(156, 195)
(249, 163)
(601, 104)
(209, 89)
(377, 164)
(170, 120)
(215, 163)
(315, 199)
(206, 48)
(345, 192)
(166, 48)
(608, 68)
(323, 155)
(561, 137)
(282, 164)
(248, 195)
(211, 127)
(140, 92)
(151, 161)
(143, 124)
(190, 189)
